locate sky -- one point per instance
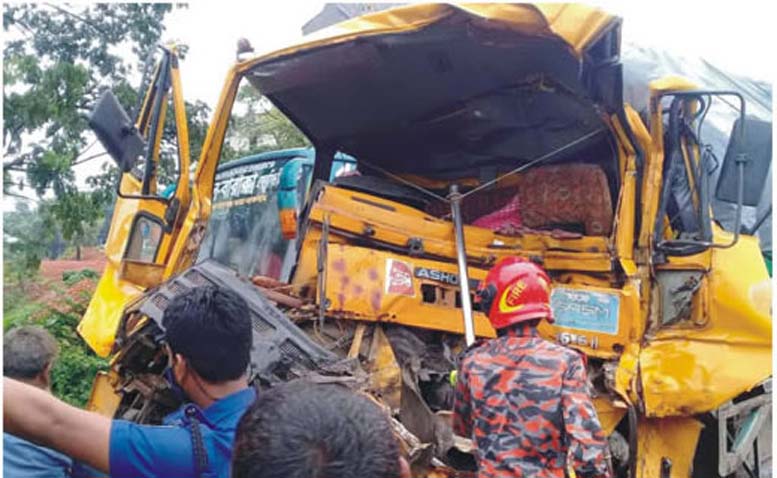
(726, 36)
(733, 36)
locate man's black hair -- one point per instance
(27, 351)
(521, 328)
(304, 430)
(211, 327)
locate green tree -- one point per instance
(57, 62)
(259, 126)
(77, 212)
(27, 235)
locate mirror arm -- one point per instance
(760, 221)
(704, 197)
(741, 160)
(669, 245)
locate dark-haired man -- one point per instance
(208, 331)
(303, 430)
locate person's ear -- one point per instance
(180, 367)
(44, 377)
(404, 468)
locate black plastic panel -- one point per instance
(281, 350)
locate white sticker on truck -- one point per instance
(585, 310)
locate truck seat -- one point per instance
(566, 194)
(573, 197)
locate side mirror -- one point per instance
(754, 147)
(116, 131)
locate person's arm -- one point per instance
(462, 406)
(37, 416)
(587, 445)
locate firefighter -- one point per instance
(524, 400)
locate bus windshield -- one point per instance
(244, 231)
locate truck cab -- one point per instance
(515, 112)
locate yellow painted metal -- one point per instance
(627, 373)
(193, 226)
(356, 288)
(118, 285)
(385, 374)
(542, 20)
(356, 344)
(395, 224)
(674, 438)
(142, 123)
(609, 413)
(98, 325)
(183, 187)
(103, 398)
(575, 24)
(651, 188)
(687, 370)
(624, 222)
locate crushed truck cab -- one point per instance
(520, 107)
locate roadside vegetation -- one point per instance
(57, 306)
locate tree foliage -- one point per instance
(76, 366)
(26, 239)
(55, 66)
(77, 212)
(259, 127)
(57, 61)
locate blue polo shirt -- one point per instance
(167, 450)
(25, 459)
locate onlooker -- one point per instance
(208, 331)
(28, 355)
(303, 430)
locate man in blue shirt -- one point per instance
(208, 331)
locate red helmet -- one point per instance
(515, 290)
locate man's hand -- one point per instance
(35, 415)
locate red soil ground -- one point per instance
(91, 258)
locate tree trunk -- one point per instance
(78, 252)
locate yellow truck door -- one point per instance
(147, 217)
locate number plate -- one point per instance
(585, 310)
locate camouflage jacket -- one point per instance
(524, 402)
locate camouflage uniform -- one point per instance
(524, 402)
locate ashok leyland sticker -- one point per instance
(585, 310)
(399, 278)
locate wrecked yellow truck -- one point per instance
(455, 113)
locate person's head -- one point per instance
(515, 291)
(304, 430)
(28, 355)
(208, 330)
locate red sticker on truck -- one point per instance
(399, 278)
